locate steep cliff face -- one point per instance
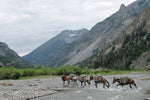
(47, 50)
(101, 35)
(9, 58)
(130, 50)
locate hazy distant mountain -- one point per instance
(102, 34)
(130, 50)
(9, 58)
(48, 49)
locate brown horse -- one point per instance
(127, 81)
(65, 78)
(100, 79)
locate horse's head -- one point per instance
(114, 80)
(91, 77)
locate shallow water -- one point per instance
(112, 93)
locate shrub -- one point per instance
(96, 72)
(70, 70)
(106, 70)
(49, 71)
(28, 72)
(10, 73)
(86, 72)
(39, 72)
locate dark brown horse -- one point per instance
(100, 79)
(65, 78)
(127, 81)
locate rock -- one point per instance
(32, 85)
(6, 84)
(122, 7)
(147, 98)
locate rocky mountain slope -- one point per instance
(47, 50)
(130, 50)
(9, 58)
(101, 35)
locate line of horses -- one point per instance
(97, 79)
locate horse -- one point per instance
(73, 78)
(100, 79)
(124, 81)
(84, 79)
(69, 78)
(65, 78)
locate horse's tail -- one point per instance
(107, 84)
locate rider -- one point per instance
(64, 74)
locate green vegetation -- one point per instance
(14, 73)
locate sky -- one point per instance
(27, 24)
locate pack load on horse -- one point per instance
(73, 79)
(84, 79)
(99, 79)
(124, 81)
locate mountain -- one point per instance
(9, 58)
(128, 51)
(47, 50)
(101, 35)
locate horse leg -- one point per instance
(104, 85)
(81, 83)
(76, 83)
(107, 84)
(88, 82)
(73, 82)
(130, 86)
(96, 84)
(68, 82)
(63, 83)
(84, 84)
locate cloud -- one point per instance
(26, 24)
